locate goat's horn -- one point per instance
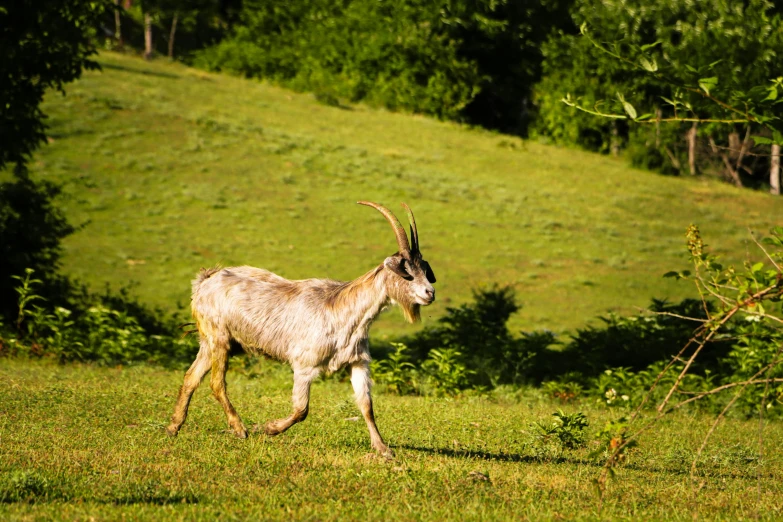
(414, 230)
(399, 232)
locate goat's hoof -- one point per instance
(385, 452)
(241, 433)
(270, 429)
(172, 431)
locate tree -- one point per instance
(46, 44)
(469, 60)
(708, 66)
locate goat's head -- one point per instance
(412, 276)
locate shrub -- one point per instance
(447, 371)
(473, 61)
(478, 332)
(31, 229)
(96, 333)
(396, 371)
(565, 432)
(635, 342)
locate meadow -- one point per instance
(170, 169)
(167, 169)
(87, 443)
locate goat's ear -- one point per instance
(428, 272)
(397, 265)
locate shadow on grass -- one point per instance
(749, 474)
(485, 455)
(139, 71)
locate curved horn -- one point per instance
(414, 230)
(399, 232)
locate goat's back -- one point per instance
(267, 313)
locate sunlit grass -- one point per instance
(81, 441)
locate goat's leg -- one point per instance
(193, 378)
(220, 350)
(360, 379)
(301, 401)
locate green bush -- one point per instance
(635, 342)
(96, 333)
(478, 333)
(396, 371)
(473, 61)
(31, 228)
(565, 432)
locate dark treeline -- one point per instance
(506, 65)
(464, 60)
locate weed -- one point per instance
(447, 371)
(396, 371)
(565, 432)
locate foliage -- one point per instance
(613, 436)
(635, 342)
(477, 334)
(31, 228)
(563, 389)
(447, 371)
(566, 431)
(396, 371)
(456, 60)
(46, 44)
(710, 64)
(96, 333)
(402, 63)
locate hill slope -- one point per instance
(173, 169)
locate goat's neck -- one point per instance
(361, 300)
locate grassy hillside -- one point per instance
(84, 443)
(171, 169)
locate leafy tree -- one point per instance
(31, 228)
(710, 66)
(46, 44)
(455, 59)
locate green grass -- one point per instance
(171, 169)
(81, 442)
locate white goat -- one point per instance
(315, 325)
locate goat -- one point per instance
(315, 325)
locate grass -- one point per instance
(170, 169)
(85, 442)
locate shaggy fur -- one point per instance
(315, 325)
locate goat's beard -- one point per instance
(411, 311)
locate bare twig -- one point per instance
(732, 173)
(758, 244)
(709, 336)
(671, 314)
(699, 395)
